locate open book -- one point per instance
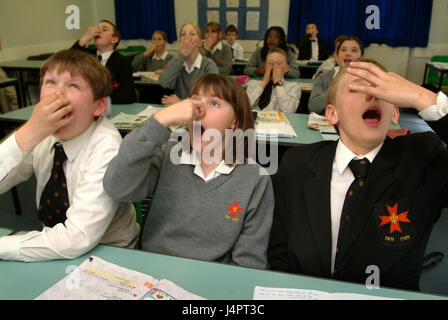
(131, 121)
(273, 124)
(97, 279)
(146, 75)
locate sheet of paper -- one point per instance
(252, 20)
(149, 111)
(213, 15)
(212, 3)
(232, 3)
(97, 279)
(266, 293)
(253, 3)
(318, 122)
(232, 18)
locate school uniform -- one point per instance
(256, 61)
(237, 50)
(408, 177)
(317, 102)
(221, 54)
(285, 97)
(312, 49)
(151, 62)
(121, 71)
(92, 216)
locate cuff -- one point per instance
(11, 156)
(10, 248)
(437, 111)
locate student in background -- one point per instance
(155, 58)
(330, 63)
(106, 38)
(273, 92)
(350, 49)
(67, 144)
(310, 47)
(8, 96)
(215, 49)
(219, 210)
(187, 66)
(332, 220)
(274, 38)
(231, 35)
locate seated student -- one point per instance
(231, 35)
(106, 37)
(187, 66)
(155, 58)
(8, 96)
(350, 49)
(216, 209)
(216, 50)
(390, 206)
(273, 92)
(330, 63)
(274, 38)
(310, 48)
(67, 145)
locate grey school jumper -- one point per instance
(222, 58)
(317, 102)
(189, 217)
(175, 77)
(148, 63)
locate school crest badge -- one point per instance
(395, 228)
(233, 211)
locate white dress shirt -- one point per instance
(314, 50)
(342, 176)
(196, 64)
(238, 51)
(193, 159)
(104, 56)
(92, 216)
(284, 98)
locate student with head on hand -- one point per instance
(274, 37)
(364, 200)
(215, 49)
(231, 35)
(273, 92)
(187, 66)
(349, 49)
(67, 144)
(330, 63)
(106, 38)
(215, 209)
(155, 58)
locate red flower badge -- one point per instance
(220, 59)
(115, 85)
(233, 210)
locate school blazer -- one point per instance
(121, 71)
(409, 174)
(305, 51)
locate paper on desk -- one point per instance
(97, 279)
(318, 122)
(146, 75)
(273, 124)
(264, 293)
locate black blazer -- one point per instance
(411, 171)
(304, 46)
(121, 71)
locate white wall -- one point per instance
(29, 27)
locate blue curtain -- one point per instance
(138, 19)
(402, 22)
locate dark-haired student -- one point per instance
(310, 47)
(106, 38)
(274, 37)
(364, 200)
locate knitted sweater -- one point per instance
(175, 77)
(149, 63)
(189, 217)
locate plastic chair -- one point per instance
(433, 76)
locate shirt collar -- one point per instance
(193, 159)
(105, 55)
(336, 70)
(344, 155)
(217, 47)
(73, 146)
(162, 57)
(196, 64)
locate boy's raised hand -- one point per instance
(181, 113)
(49, 115)
(277, 73)
(267, 76)
(90, 34)
(391, 87)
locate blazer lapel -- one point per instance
(379, 178)
(317, 195)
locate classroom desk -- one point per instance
(12, 82)
(441, 70)
(210, 280)
(298, 121)
(19, 67)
